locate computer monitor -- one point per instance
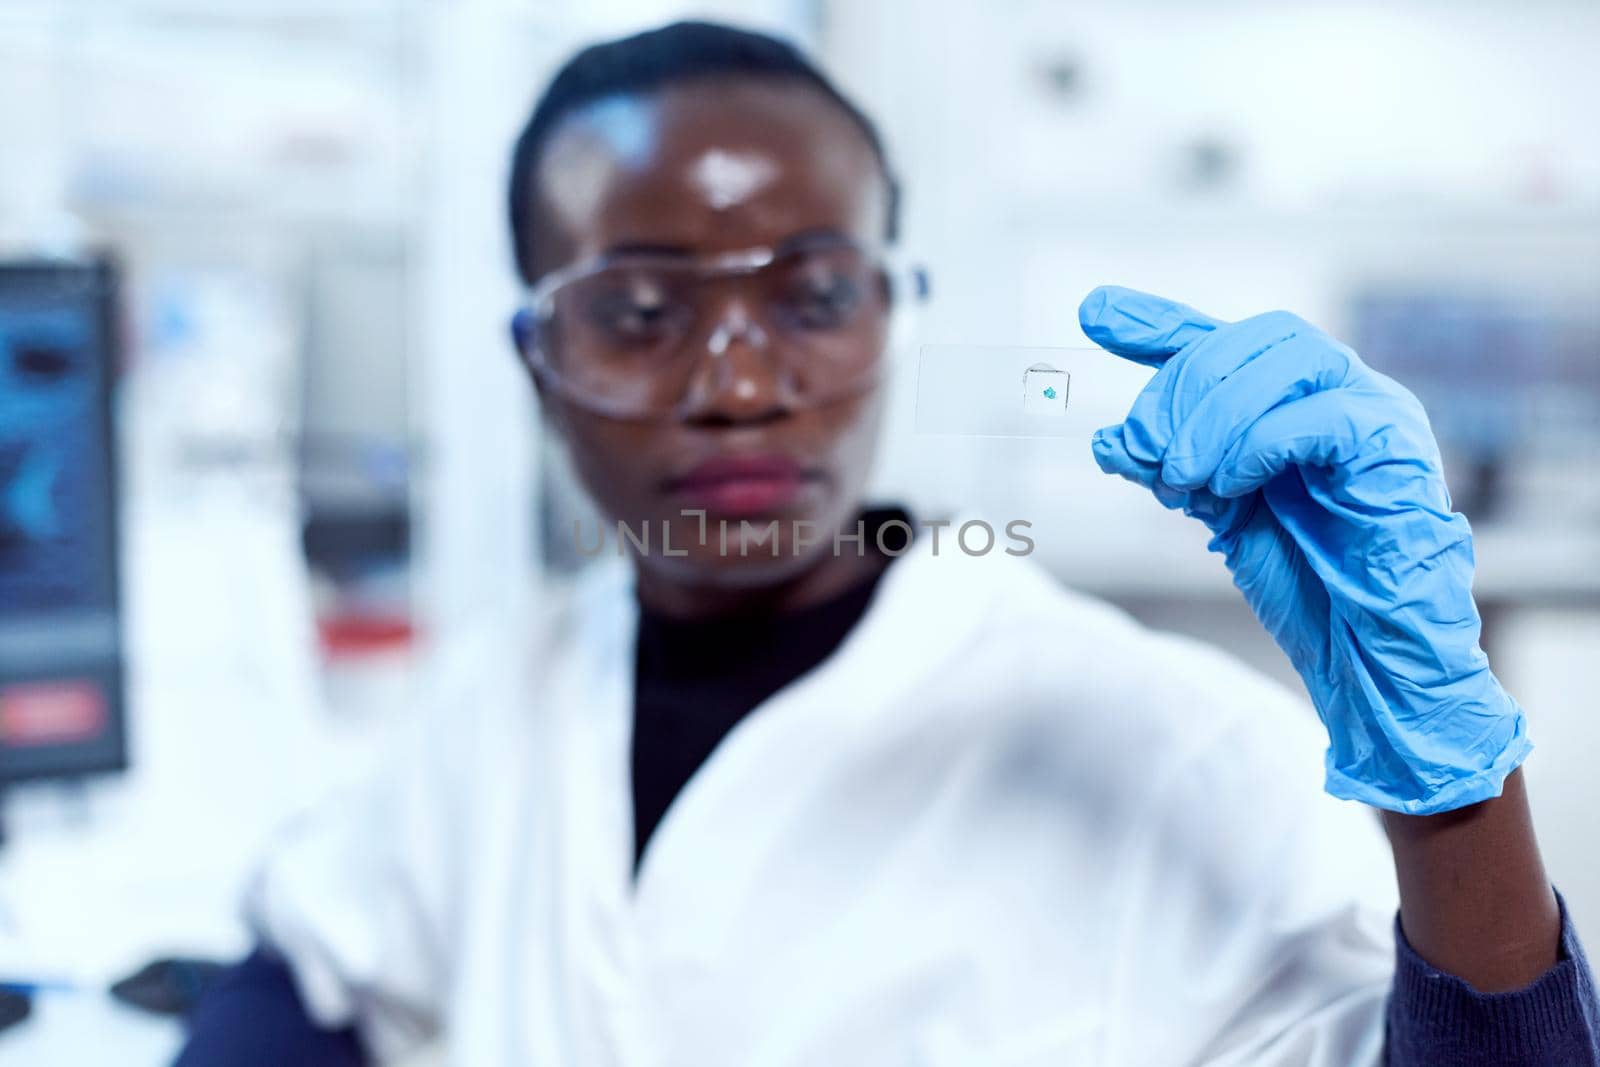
(62, 710)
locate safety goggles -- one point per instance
(648, 335)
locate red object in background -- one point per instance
(51, 713)
(356, 635)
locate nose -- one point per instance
(728, 331)
(737, 377)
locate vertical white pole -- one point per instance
(475, 545)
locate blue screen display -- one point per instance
(61, 701)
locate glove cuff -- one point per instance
(1457, 786)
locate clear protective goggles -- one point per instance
(652, 334)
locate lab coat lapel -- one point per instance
(591, 695)
(730, 817)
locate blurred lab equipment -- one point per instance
(168, 986)
(1502, 375)
(14, 1007)
(61, 654)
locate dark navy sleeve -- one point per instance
(254, 1018)
(1436, 1019)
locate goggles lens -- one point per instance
(629, 336)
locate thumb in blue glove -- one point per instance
(1321, 483)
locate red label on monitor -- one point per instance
(51, 713)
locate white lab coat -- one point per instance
(1003, 824)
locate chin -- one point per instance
(753, 557)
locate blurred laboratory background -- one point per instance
(264, 446)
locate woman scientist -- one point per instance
(789, 791)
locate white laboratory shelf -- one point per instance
(1516, 567)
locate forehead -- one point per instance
(705, 166)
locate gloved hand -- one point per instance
(1321, 483)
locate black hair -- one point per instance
(649, 61)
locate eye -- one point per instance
(823, 296)
(631, 309)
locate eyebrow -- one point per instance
(822, 236)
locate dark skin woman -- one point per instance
(702, 223)
(1475, 900)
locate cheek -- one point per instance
(612, 459)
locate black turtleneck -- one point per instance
(695, 680)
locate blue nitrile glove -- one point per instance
(1321, 483)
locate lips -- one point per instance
(743, 485)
